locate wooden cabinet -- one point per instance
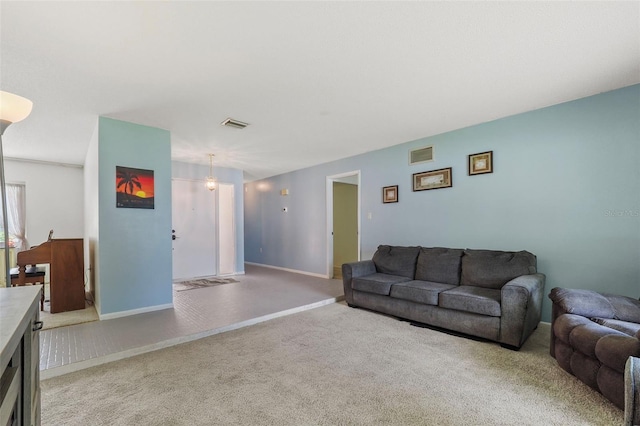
(20, 356)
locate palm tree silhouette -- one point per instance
(128, 180)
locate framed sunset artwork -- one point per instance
(134, 188)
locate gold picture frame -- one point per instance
(433, 179)
(481, 163)
(390, 194)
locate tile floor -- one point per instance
(261, 294)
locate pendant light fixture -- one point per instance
(211, 181)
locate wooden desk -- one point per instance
(65, 257)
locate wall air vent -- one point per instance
(230, 122)
(421, 155)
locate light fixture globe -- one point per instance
(211, 181)
(13, 108)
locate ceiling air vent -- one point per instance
(230, 122)
(421, 155)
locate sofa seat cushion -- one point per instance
(395, 260)
(377, 283)
(478, 300)
(493, 269)
(419, 291)
(440, 265)
(630, 328)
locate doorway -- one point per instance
(193, 210)
(343, 221)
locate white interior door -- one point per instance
(194, 222)
(226, 229)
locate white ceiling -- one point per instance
(317, 81)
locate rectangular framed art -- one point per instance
(134, 188)
(481, 163)
(390, 194)
(434, 179)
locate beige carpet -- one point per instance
(330, 366)
(63, 319)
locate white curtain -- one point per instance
(16, 215)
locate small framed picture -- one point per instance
(434, 179)
(481, 163)
(390, 194)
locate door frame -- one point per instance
(330, 180)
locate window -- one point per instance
(16, 217)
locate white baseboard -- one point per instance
(295, 271)
(120, 314)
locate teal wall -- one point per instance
(134, 244)
(566, 187)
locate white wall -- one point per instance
(91, 216)
(54, 197)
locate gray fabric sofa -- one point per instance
(494, 295)
(592, 336)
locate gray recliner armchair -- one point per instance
(632, 392)
(592, 337)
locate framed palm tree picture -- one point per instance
(134, 188)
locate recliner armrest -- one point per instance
(355, 270)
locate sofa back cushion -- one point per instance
(395, 260)
(624, 308)
(586, 303)
(493, 269)
(439, 265)
(591, 304)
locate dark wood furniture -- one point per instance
(65, 257)
(19, 356)
(33, 275)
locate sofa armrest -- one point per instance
(632, 392)
(521, 305)
(355, 270)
